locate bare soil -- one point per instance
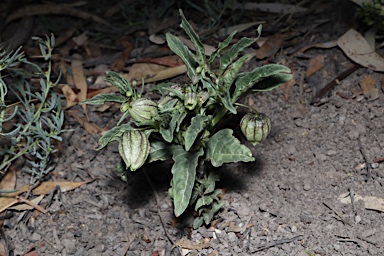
(287, 202)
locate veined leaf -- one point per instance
(199, 48)
(246, 80)
(223, 147)
(226, 101)
(271, 82)
(198, 124)
(226, 80)
(113, 135)
(102, 98)
(184, 174)
(119, 82)
(184, 53)
(159, 151)
(168, 131)
(227, 58)
(220, 48)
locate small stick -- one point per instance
(37, 207)
(278, 242)
(338, 214)
(128, 245)
(320, 94)
(365, 156)
(378, 160)
(352, 195)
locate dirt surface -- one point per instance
(293, 200)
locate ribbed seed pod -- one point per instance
(143, 110)
(190, 100)
(134, 149)
(255, 127)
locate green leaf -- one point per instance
(271, 82)
(199, 48)
(220, 48)
(223, 147)
(228, 57)
(119, 82)
(184, 53)
(113, 135)
(167, 129)
(227, 102)
(198, 222)
(246, 80)
(198, 124)
(204, 200)
(102, 98)
(159, 151)
(226, 80)
(184, 174)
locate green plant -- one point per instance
(183, 123)
(371, 12)
(38, 121)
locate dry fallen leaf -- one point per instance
(88, 126)
(9, 180)
(270, 47)
(167, 73)
(370, 91)
(315, 65)
(52, 9)
(23, 207)
(270, 7)
(187, 244)
(70, 95)
(79, 79)
(325, 45)
(358, 49)
(374, 203)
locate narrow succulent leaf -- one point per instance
(198, 124)
(184, 174)
(113, 135)
(159, 151)
(177, 92)
(246, 80)
(220, 48)
(227, 79)
(11, 133)
(223, 147)
(184, 53)
(199, 48)
(102, 98)
(227, 58)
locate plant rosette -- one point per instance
(182, 125)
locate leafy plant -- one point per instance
(371, 12)
(183, 124)
(38, 119)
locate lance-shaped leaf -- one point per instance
(184, 53)
(167, 130)
(247, 80)
(102, 98)
(199, 48)
(113, 135)
(225, 99)
(226, 80)
(184, 174)
(223, 147)
(220, 48)
(119, 82)
(271, 82)
(198, 124)
(227, 58)
(159, 151)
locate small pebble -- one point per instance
(306, 187)
(336, 247)
(357, 218)
(293, 229)
(232, 237)
(374, 165)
